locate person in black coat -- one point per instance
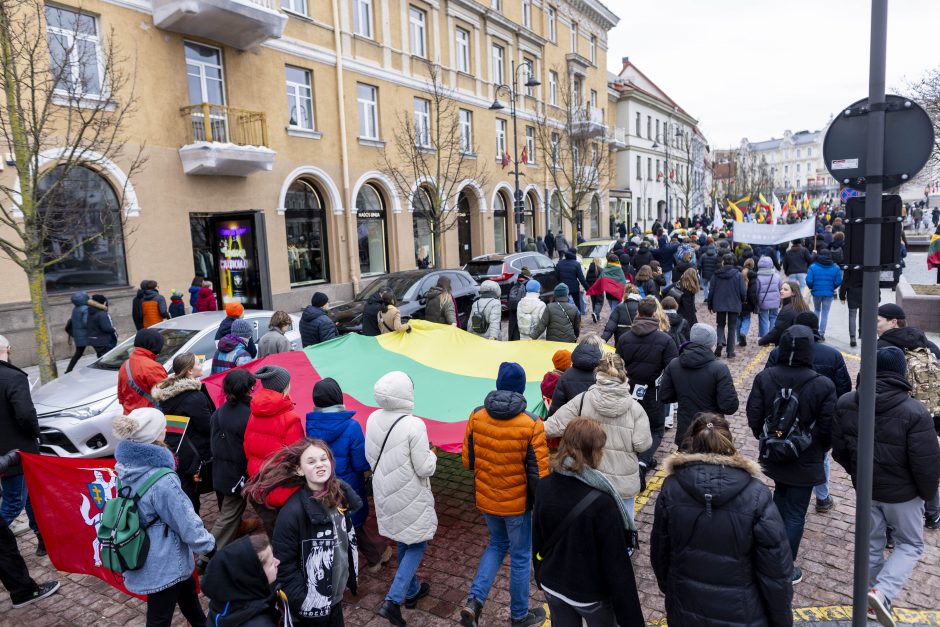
(370, 314)
(794, 481)
(643, 256)
(579, 377)
(793, 304)
(227, 443)
(697, 381)
(550, 244)
(315, 325)
(718, 544)
(893, 331)
(708, 261)
(796, 262)
(623, 315)
(99, 328)
(850, 293)
(238, 584)
(570, 272)
(726, 295)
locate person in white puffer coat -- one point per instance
(401, 483)
(490, 309)
(530, 310)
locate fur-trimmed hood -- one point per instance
(676, 460)
(135, 460)
(174, 386)
(713, 480)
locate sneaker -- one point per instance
(669, 422)
(534, 618)
(852, 342)
(825, 506)
(870, 615)
(19, 527)
(41, 548)
(593, 317)
(470, 614)
(797, 575)
(642, 477)
(718, 350)
(882, 607)
(386, 556)
(44, 590)
(932, 522)
(742, 340)
(423, 590)
(391, 611)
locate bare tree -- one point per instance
(926, 92)
(572, 138)
(432, 155)
(66, 105)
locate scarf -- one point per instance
(598, 481)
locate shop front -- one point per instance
(230, 251)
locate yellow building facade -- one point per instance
(263, 124)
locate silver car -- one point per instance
(76, 410)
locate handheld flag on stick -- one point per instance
(175, 430)
(733, 208)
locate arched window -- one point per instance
(595, 218)
(84, 236)
(530, 208)
(422, 217)
(370, 226)
(500, 215)
(554, 213)
(305, 215)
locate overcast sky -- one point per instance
(754, 68)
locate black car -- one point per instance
(409, 287)
(505, 268)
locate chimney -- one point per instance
(625, 60)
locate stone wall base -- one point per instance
(923, 312)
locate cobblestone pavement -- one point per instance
(450, 564)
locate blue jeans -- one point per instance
(766, 319)
(799, 277)
(822, 490)
(14, 499)
(821, 305)
(744, 324)
(406, 584)
(630, 504)
(792, 502)
(512, 534)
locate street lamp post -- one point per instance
(512, 91)
(665, 168)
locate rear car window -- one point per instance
(484, 268)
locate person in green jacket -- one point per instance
(612, 271)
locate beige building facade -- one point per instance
(263, 124)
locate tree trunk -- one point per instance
(44, 351)
(438, 236)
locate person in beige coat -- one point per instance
(389, 316)
(624, 421)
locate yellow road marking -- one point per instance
(851, 356)
(844, 612)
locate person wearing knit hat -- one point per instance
(705, 335)
(274, 378)
(233, 350)
(145, 425)
(561, 292)
(561, 320)
(234, 309)
(242, 328)
(516, 294)
(562, 361)
(893, 330)
(319, 299)
(529, 310)
(506, 451)
(533, 286)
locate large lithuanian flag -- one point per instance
(933, 253)
(452, 370)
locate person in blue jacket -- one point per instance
(331, 422)
(77, 327)
(823, 279)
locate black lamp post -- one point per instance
(512, 92)
(665, 169)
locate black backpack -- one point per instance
(785, 437)
(516, 293)
(479, 319)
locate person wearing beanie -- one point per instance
(99, 327)
(315, 324)
(486, 312)
(504, 446)
(823, 279)
(233, 348)
(234, 310)
(177, 308)
(580, 376)
(697, 381)
(569, 271)
(166, 577)
(331, 422)
(893, 331)
(77, 328)
(530, 310)
(272, 425)
(560, 320)
(905, 474)
(141, 372)
(561, 360)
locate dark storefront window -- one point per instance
(306, 234)
(500, 216)
(84, 238)
(421, 216)
(370, 226)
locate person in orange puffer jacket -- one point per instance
(272, 425)
(148, 307)
(143, 368)
(504, 446)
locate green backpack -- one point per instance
(123, 539)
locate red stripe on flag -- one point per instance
(607, 285)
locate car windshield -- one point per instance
(398, 285)
(173, 340)
(484, 268)
(593, 250)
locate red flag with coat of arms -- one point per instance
(506, 160)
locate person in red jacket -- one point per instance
(141, 372)
(562, 361)
(272, 425)
(206, 300)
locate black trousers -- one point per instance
(731, 319)
(161, 605)
(513, 326)
(13, 573)
(80, 350)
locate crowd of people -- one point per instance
(556, 481)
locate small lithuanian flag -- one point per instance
(933, 253)
(177, 424)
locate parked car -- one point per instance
(505, 268)
(409, 287)
(76, 410)
(594, 248)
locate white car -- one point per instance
(76, 410)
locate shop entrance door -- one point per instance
(225, 251)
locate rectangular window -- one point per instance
(649, 127)
(74, 50)
(639, 166)
(658, 171)
(528, 71)
(530, 144)
(657, 131)
(422, 122)
(497, 5)
(552, 24)
(808, 167)
(593, 99)
(574, 37)
(638, 116)
(500, 138)
(299, 97)
(362, 18)
(296, 6)
(649, 168)
(527, 13)
(797, 168)
(552, 87)
(466, 131)
(418, 19)
(367, 96)
(592, 49)
(463, 50)
(555, 141)
(497, 71)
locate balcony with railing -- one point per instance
(588, 121)
(242, 24)
(225, 141)
(617, 138)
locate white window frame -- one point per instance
(593, 99)
(528, 72)
(368, 112)
(530, 144)
(462, 48)
(555, 142)
(592, 49)
(465, 117)
(362, 18)
(497, 5)
(422, 108)
(552, 87)
(295, 6)
(574, 37)
(527, 13)
(639, 168)
(297, 98)
(501, 130)
(498, 64)
(552, 13)
(418, 20)
(75, 66)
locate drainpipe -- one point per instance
(351, 238)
